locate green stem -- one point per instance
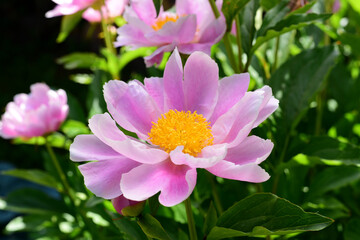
(215, 195)
(238, 41)
(108, 41)
(226, 40)
(67, 190)
(282, 157)
(190, 218)
(59, 170)
(319, 113)
(107, 36)
(276, 54)
(247, 65)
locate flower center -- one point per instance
(187, 129)
(159, 22)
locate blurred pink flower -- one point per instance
(40, 112)
(336, 6)
(111, 9)
(185, 120)
(192, 27)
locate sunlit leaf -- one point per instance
(230, 9)
(33, 175)
(266, 214)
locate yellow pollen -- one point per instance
(187, 129)
(159, 23)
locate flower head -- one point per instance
(40, 112)
(109, 8)
(192, 27)
(185, 120)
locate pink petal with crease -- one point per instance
(231, 90)
(131, 106)
(252, 150)
(173, 83)
(201, 76)
(208, 157)
(236, 124)
(248, 172)
(175, 183)
(103, 177)
(89, 147)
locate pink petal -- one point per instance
(155, 87)
(145, 9)
(157, 56)
(176, 183)
(252, 150)
(201, 8)
(213, 32)
(133, 33)
(209, 156)
(231, 90)
(249, 172)
(105, 129)
(201, 76)
(181, 31)
(236, 124)
(131, 106)
(173, 83)
(89, 147)
(103, 177)
(268, 106)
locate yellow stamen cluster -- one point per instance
(187, 129)
(159, 23)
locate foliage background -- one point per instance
(316, 168)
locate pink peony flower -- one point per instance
(185, 120)
(111, 9)
(40, 112)
(192, 27)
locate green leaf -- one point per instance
(296, 84)
(129, 229)
(210, 219)
(274, 16)
(129, 55)
(29, 200)
(68, 22)
(230, 9)
(157, 4)
(152, 227)
(328, 206)
(33, 175)
(294, 21)
(333, 178)
(72, 128)
(332, 149)
(83, 78)
(247, 21)
(266, 214)
(79, 60)
(56, 139)
(352, 40)
(268, 4)
(352, 230)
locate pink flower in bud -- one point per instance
(35, 114)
